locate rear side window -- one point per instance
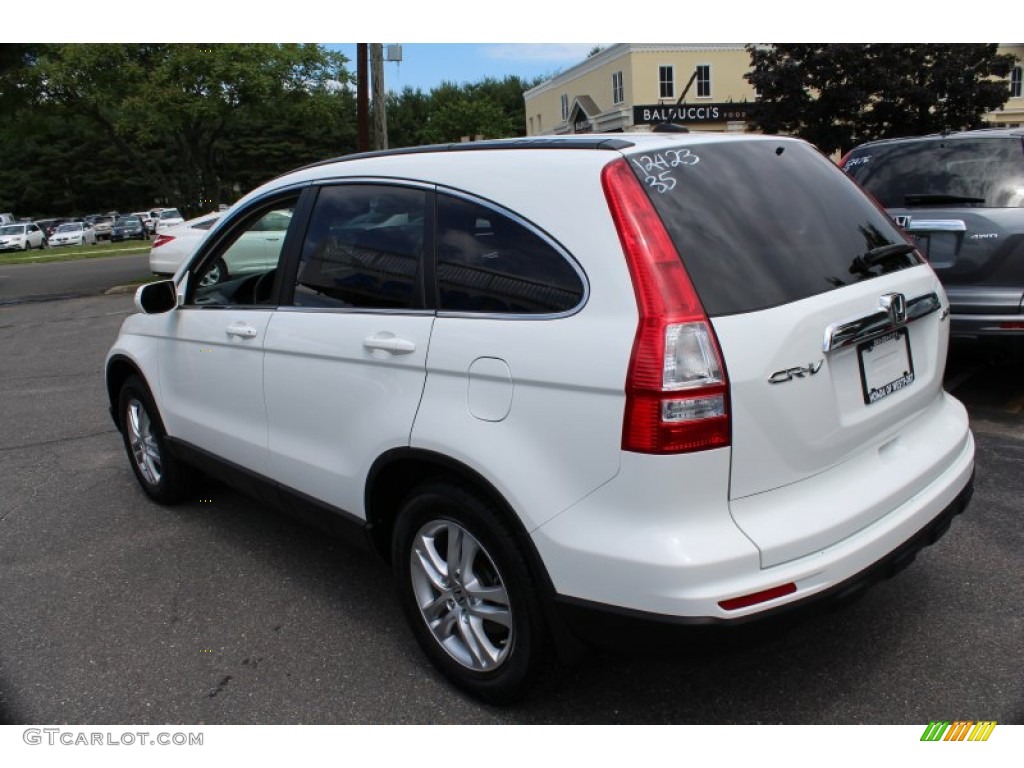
(762, 223)
(490, 263)
(982, 173)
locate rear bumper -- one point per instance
(618, 628)
(673, 553)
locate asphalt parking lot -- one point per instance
(115, 610)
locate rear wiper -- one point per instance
(924, 199)
(870, 258)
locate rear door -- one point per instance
(346, 354)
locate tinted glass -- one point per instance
(987, 173)
(762, 223)
(363, 248)
(487, 262)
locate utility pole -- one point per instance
(380, 118)
(362, 100)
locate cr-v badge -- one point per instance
(789, 374)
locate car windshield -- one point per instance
(127, 221)
(69, 228)
(987, 172)
(13, 229)
(170, 213)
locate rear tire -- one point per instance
(467, 593)
(164, 479)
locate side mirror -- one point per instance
(156, 298)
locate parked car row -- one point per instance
(26, 234)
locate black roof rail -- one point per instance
(541, 142)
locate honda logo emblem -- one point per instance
(895, 305)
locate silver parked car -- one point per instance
(960, 197)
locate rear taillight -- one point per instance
(677, 398)
(161, 240)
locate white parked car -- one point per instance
(256, 250)
(165, 217)
(172, 247)
(566, 386)
(21, 237)
(73, 233)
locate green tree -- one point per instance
(838, 95)
(491, 108)
(172, 110)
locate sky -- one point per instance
(427, 65)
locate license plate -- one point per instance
(886, 365)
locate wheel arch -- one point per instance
(397, 472)
(119, 369)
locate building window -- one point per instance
(1015, 82)
(703, 80)
(565, 107)
(618, 93)
(666, 83)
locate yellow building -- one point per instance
(632, 86)
(1012, 113)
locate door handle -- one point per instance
(241, 330)
(388, 342)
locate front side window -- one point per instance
(363, 248)
(488, 262)
(704, 80)
(241, 269)
(1016, 75)
(618, 92)
(666, 83)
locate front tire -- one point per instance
(164, 479)
(467, 593)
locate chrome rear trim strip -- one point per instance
(839, 335)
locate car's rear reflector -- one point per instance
(734, 604)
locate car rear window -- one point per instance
(982, 172)
(763, 223)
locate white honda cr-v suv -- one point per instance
(565, 385)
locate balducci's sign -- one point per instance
(688, 113)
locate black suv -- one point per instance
(960, 196)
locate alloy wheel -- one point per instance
(461, 595)
(143, 442)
